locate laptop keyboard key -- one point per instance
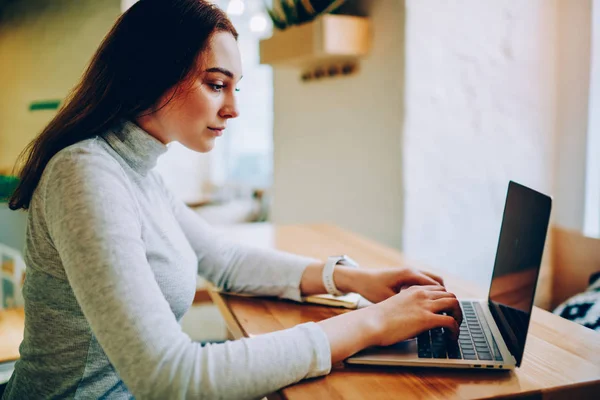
(439, 353)
(423, 339)
(454, 351)
(471, 345)
(424, 345)
(424, 354)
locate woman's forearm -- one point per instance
(347, 333)
(351, 332)
(312, 279)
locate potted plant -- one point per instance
(7, 186)
(285, 13)
(311, 35)
(14, 223)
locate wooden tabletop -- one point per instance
(562, 359)
(12, 325)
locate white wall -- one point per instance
(338, 142)
(419, 156)
(44, 48)
(495, 91)
(573, 79)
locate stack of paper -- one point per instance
(350, 300)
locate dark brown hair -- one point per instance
(153, 47)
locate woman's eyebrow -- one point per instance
(223, 71)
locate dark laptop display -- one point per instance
(517, 265)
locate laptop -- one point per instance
(494, 330)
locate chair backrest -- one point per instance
(574, 259)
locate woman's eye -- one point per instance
(216, 87)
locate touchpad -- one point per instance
(401, 350)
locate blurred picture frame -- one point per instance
(12, 277)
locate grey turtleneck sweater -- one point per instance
(112, 260)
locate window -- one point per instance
(592, 184)
(244, 156)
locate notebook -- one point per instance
(349, 300)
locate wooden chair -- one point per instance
(574, 258)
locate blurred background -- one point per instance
(413, 149)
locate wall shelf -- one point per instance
(328, 40)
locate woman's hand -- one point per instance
(377, 285)
(400, 317)
(415, 310)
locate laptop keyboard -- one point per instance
(471, 344)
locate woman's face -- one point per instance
(195, 117)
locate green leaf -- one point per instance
(289, 9)
(8, 184)
(278, 22)
(335, 4)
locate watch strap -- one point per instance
(329, 268)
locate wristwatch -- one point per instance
(332, 261)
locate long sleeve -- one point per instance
(235, 267)
(96, 225)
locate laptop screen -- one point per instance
(518, 261)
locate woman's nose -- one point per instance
(230, 110)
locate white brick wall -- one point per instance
(496, 90)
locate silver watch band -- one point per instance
(332, 261)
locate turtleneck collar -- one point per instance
(137, 147)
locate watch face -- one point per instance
(348, 261)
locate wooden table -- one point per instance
(12, 325)
(561, 361)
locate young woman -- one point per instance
(112, 256)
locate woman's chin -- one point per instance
(201, 146)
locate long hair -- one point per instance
(153, 47)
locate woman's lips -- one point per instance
(217, 131)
